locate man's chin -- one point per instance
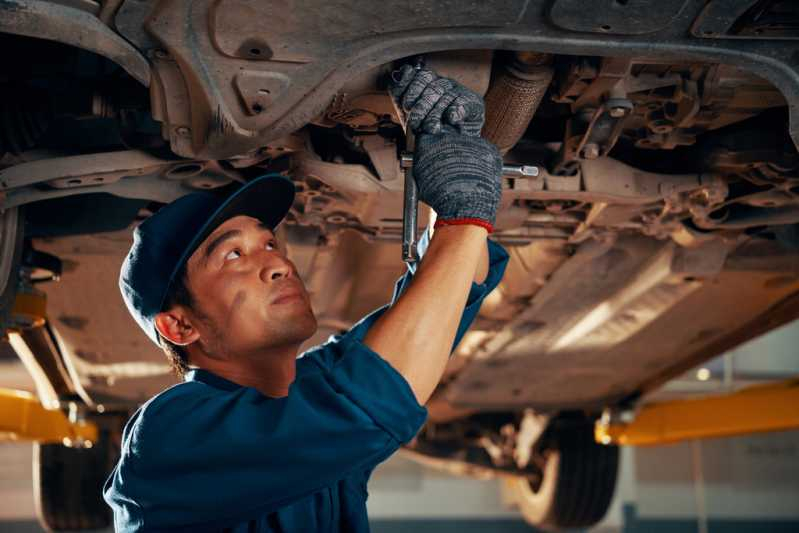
(303, 325)
(312, 327)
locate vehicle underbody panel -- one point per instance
(659, 231)
(253, 71)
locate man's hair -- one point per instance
(178, 295)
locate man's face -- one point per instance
(247, 294)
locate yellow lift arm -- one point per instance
(770, 407)
(22, 417)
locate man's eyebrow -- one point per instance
(214, 244)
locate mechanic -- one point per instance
(255, 438)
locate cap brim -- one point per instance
(267, 198)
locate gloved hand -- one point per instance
(457, 172)
(432, 101)
(459, 177)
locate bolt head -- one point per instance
(591, 151)
(529, 170)
(182, 130)
(617, 112)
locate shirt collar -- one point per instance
(204, 376)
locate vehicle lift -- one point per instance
(755, 409)
(23, 416)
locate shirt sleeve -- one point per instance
(497, 262)
(197, 455)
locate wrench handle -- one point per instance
(410, 209)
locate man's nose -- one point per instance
(277, 267)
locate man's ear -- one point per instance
(175, 326)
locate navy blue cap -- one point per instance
(164, 242)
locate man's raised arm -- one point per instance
(415, 335)
(458, 175)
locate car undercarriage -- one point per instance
(657, 230)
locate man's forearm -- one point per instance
(415, 335)
(481, 272)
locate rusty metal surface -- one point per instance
(292, 62)
(72, 26)
(724, 310)
(513, 100)
(241, 87)
(128, 173)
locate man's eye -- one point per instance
(271, 245)
(233, 254)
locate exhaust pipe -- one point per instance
(514, 96)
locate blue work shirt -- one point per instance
(211, 455)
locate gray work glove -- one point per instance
(458, 172)
(431, 101)
(459, 177)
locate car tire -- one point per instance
(577, 483)
(68, 485)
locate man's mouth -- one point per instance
(287, 296)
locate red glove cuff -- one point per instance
(464, 221)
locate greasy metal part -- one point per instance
(329, 190)
(742, 217)
(358, 106)
(606, 180)
(600, 107)
(460, 464)
(531, 428)
(110, 166)
(213, 42)
(471, 445)
(520, 171)
(771, 407)
(671, 111)
(772, 172)
(513, 98)
(410, 205)
(157, 179)
(383, 154)
(471, 68)
(68, 25)
(151, 187)
(24, 418)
